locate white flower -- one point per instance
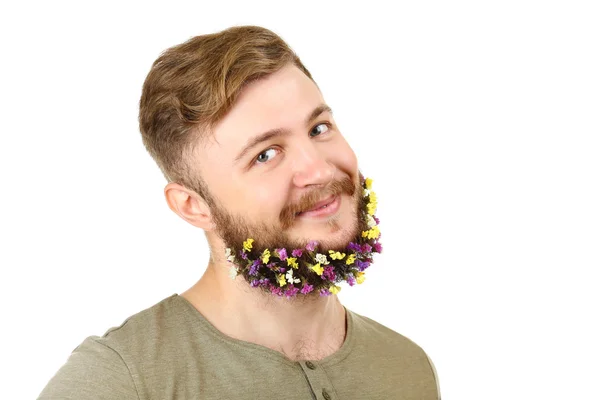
(233, 272)
(230, 257)
(365, 192)
(290, 276)
(321, 259)
(371, 221)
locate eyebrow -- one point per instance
(271, 133)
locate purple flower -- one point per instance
(276, 290)
(354, 247)
(282, 270)
(328, 273)
(351, 281)
(254, 268)
(306, 289)
(282, 253)
(291, 292)
(297, 253)
(311, 245)
(376, 220)
(324, 292)
(362, 265)
(243, 254)
(255, 283)
(377, 247)
(366, 248)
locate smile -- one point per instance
(329, 207)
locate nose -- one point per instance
(311, 168)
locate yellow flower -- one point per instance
(336, 255)
(368, 183)
(351, 259)
(365, 233)
(371, 207)
(317, 268)
(248, 244)
(372, 197)
(265, 256)
(335, 289)
(374, 232)
(281, 279)
(292, 261)
(360, 277)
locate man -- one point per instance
(254, 158)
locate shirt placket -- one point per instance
(318, 380)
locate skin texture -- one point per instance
(259, 196)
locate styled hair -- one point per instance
(193, 85)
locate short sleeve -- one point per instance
(435, 376)
(92, 371)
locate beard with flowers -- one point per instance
(269, 259)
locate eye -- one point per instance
(263, 157)
(327, 124)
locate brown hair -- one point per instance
(193, 85)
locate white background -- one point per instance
(478, 121)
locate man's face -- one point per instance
(259, 182)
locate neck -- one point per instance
(301, 328)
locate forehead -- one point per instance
(282, 100)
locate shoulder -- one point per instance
(387, 344)
(108, 366)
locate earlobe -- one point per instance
(189, 206)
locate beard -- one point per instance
(275, 239)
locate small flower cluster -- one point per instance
(277, 272)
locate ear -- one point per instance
(189, 205)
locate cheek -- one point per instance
(346, 159)
(267, 202)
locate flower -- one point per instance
(351, 281)
(292, 262)
(351, 259)
(291, 292)
(362, 265)
(306, 289)
(371, 221)
(354, 246)
(311, 245)
(297, 253)
(281, 279)
(230, 257)
(377, 247)
(233, 272)
(317, 268)
(368, 183)
(321, 258)
(243, 255)
(265, 256)
(336, 255)
(254, 267)
(248, 244)
(324, 292)
(335, 289)
(281, 253)
(290, 277)
(328, 274)
(360, 277)
(372, 233)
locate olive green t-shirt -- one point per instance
(170, 351)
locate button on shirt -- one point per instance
(171, 351)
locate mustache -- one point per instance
(310, 199)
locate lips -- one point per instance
(320, 204)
